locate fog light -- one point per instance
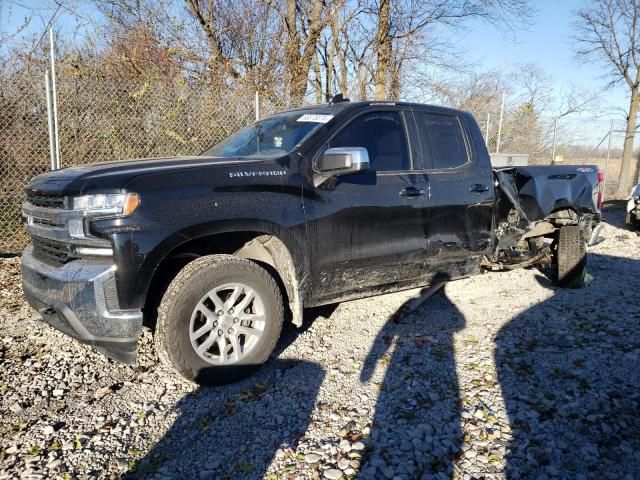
(94, 252)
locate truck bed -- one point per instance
(542, 190)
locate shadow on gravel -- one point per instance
(416, 429)
(569, 373)
(233, 432)
(613, 212)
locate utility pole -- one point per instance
(555, 132)
(606, 163)
(486, 135)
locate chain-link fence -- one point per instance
(102, 119)
(24, 153)
(106, 120)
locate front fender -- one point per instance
(139, 255)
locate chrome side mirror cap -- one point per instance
(341, 161)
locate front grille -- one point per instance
(46, 222)
(51, 251)
(47, 201)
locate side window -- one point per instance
(442, 141)
(382, 134)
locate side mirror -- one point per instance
(343, 161)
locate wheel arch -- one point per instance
(564, 215)
(270, 247)
(270, 250)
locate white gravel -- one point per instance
(499, 376)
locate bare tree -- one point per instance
(209, 13)
(383, 49)
(303, 21)
(608, 31)
(229, 43)
(6, 36)
(404, 26)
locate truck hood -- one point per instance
(109, 176)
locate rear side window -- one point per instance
(442, 141)
(382, 134)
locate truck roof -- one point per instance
(345, 105)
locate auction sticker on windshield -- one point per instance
(315, 118)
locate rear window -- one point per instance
(442, 141)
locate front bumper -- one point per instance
(80, 299)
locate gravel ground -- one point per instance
(497, 376)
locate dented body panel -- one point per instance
(543, 190)
(348, 237)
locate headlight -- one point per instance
(96, 206)
(107, 204)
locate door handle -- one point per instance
(412, 192)
(479, 188)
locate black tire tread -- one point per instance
(571, 257)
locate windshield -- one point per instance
(272, 137)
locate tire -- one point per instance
(213, 283)
(571, 257)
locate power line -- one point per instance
(46, 28)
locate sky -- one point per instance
(546, 43)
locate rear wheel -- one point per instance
(219, 320)
(571, 257)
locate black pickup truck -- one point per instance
(305, 208)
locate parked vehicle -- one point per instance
(308, 207)
(632, 218)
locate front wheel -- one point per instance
(571, 257)
(219, 320)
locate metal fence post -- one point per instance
(50, 121)
(257, 106)
(500, 125)
(54, 96)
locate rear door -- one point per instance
(368, 229)
(461, 194)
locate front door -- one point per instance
(368, 232)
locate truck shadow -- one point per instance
(568, 370)
(416, 429)
(232, 432)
